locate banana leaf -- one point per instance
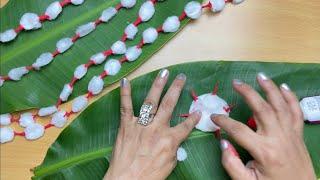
(82, 151)
(40, 89)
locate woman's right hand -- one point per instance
(277, 146)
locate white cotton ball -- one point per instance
(171, 24)
(217, 5)
(5, 119)
(149, 35)
(98, 58)
(112, 67)
(79, 103)
(34, 131)
(237, 1)
(107, 14)
(64, 44)
(146, 11)
(118, 47)
(133, 53)
(17, 73)
(42, 60)
(26, 119)
(95, 85)
(193, 10)
(85, 29)
(77, 2)
(66, 91)
(59, 119)
(6, 134)
(128, 3)
(80, 71)
(47, 111)
(131, 31)
(181, 154)
(30, 21)
(53, 10)
(8, 35)
(208, 104)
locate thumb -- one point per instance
(232, 162)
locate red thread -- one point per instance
(123, 59)
(103, 74)
(182, 16)
(19, 29)
(159, 29)
(252, 123)
(89, 95)
(153, 1)
(217, 134)
(140, 45)
(119, 6)
(97, 22)
(15, 119)
(73, 81)
(5, 78)
(43, 17)
(184, 115)
(124, 37)
(65, 2)
(29, 68)
(75, 37)
(55, 53)
(59, 102)
(89, 63)
(227, 1)
(107, 52)
(138, 21)
(208, 5)
(47, 126)
(19, 133)
(194, 95)
(68, 114)
(215, 89)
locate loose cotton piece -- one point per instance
(16, 73)
(193, 10)
(5, 119)
(95, 85)
(43, 60)
(131, 31)
(208, 104)
(53, 10)
(26, 119)
(6, 134)
(34, 131)
(108, 14)
(171, 24)
(30, 21)
(118, 47)
(8, 35)
(59, 119)
(47, 111)
(181, 154)
(149, 35)
(146, 11)
(112, 67)
(64, 44)
(133, 53)
(217, 5)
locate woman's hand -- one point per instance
(277, 146)
(149, 152)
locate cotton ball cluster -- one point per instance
(66, 91)
(118, 47)
(107, 14)
(5, 119)
(30, 21)
(171, 24)
(181, 154)
(77, 2)
(193, 10)
(133, 53)
(47, 111)
(237, 1)
(85, 29)
(26, 119)
(59, 119)
(34, 131)
(6, 134)
(16, 73)
(217, 5)
(80, 71)
(146, 11)
(8, 35)
(79, 103)
(95, 85)
(64, 44)
(128, 3)
(42, 60)
(131, 31)
(98, 58)
(53, 10)
(112, 67)
(149, 35)
(208, 104)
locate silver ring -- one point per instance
(145, 116)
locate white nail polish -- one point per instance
(163, 73)
(237, 82)
(285, 87)
(224, 144)
(263, 76)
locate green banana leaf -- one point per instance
(39, 89)
(82, 151)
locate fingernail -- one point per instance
(182, 76)
(163, 73)
(237, 82)
(213, 116)
(124, 82)
(285, 87)
(263, 76)
(199, 113)
(224, 144)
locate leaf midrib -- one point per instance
(23, 48)
(84, 157)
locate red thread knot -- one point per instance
(123, 59)
(48, 126)
(65, 2)
(159, 29)
(124, 37)
(182, 16)
(138, 21)
(119, 6)
(208, 5)
(154, 1)
(107, 52)
(103, 74)
(29, 68)
(43, 17)
(97, 22)
(90, 63)
(55, 53)
(140, 45)
(19, 29)
(89, 95)
(19, 133)
(59, 102)
(73, 81)
(75, 37)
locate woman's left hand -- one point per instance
(149, 152)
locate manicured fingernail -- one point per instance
(124, 82)
(213, 116)
(182, 76)
(163, 73)
(224, 144)
(263, 76)
(285, 87)
(237, 82)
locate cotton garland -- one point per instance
(65, 44)
(32, 21)
(111, 68)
